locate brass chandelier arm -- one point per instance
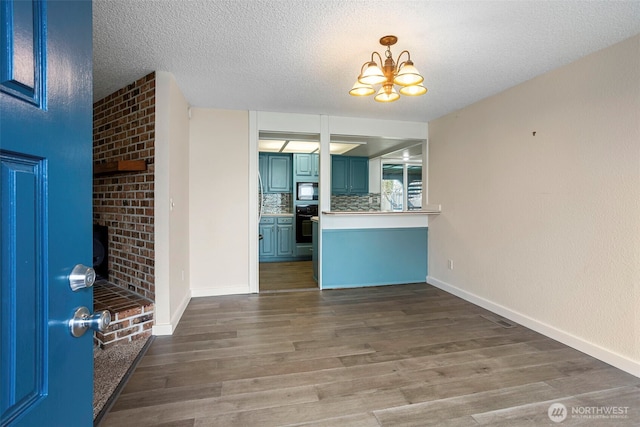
(379, 57)
(400, 64)
(366, 64)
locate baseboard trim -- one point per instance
(220, 290)
(371, 284)
(159, 330)
(594, 350)
(168, 328)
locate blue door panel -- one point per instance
(23, 42)
(23, 294)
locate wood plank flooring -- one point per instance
(285, 276)
(407, 355)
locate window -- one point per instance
(401, 187)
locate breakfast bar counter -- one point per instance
(378, 219)
(430, 210)
(374, 248)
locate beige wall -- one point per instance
(545, 229)
(171, 204)
(219, 202)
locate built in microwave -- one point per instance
(307, 191)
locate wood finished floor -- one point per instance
(408, 355)
(285, 276)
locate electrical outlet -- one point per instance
(450, 264)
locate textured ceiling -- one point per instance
(304, 55)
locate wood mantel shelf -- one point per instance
(119, 166)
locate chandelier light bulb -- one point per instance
(387, 93)
(408, 75)
(413, 90)
(372, 75)
(360, 89)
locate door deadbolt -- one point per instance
(83, 320)
(81, 277)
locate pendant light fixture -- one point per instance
(388, 74)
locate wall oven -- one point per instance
(303, 222)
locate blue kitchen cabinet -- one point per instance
(277, 242)
(339, 175)
(306, 166)
(275, 170)
(359, 175)
(279, 173)
(267, 230)
(349, 175)
(284, 233)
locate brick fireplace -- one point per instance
(123, 202)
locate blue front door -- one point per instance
(46, 374)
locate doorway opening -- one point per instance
(288, 175)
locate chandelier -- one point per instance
(402, 74)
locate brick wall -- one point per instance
(126, 326)
(124, 129)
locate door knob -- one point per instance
(81, 277)
(83, 320)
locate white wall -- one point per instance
(545, 229)
(219, 202)
(171, 204)
(375, 175)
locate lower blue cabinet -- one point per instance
(284, 235)
(267, 230)
(277, 238)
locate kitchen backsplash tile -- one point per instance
(277, 203)
(356, 203)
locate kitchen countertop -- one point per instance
(379, 219)
(428, 210)
(277, 214)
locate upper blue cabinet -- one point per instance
(349, 175)
(276, 172)
(306, 167)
